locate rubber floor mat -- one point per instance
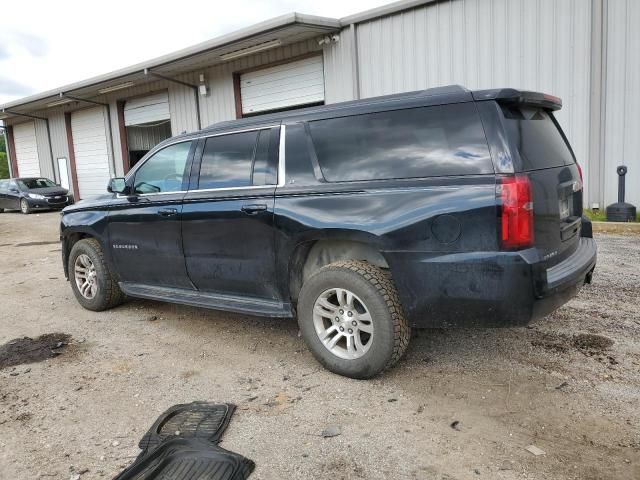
(188, 459)
(200, 420)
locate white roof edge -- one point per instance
(384, 10)
(256, 29)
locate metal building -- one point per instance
(585, 51)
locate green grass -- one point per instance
(601, 215)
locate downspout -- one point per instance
(184, 84)
(355, 69)
(46, 121)
(93, 102)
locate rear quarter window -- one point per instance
(537, 137)
(411, 143)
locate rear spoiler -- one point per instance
(519, 97)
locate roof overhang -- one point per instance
(279, 31)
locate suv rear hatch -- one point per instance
(541, 152)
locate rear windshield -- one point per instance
(417, 142)
(537, 138)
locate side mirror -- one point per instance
(118, 185)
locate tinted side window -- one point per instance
(416, 142)
(4, 186)
(238, 160)
(164, 171)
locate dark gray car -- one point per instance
(29, 194)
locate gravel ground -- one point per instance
(570, 384)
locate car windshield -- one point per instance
(35, 183)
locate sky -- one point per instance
(48, 44)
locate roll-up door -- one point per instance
(91, 151)
(24, 136)
(149, 109)
(283, 86)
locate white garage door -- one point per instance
(149, 109)
(289, 85)
(24, 136)
(92, 155)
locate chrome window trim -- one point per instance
(281, 156)
(280, 169)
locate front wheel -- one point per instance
(93, 284)
(351, 318)
(24, 207)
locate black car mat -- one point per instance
(203, 420)
(182, 445)
(189, 459)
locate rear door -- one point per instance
(227, 221)
(544, 154)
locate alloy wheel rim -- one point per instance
(343, 323)
(23, 206)
(86, 276)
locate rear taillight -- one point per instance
(516, 212)
(580, 172)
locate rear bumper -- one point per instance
(487, 289)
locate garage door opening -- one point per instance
(147, 123)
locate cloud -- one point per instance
(13, 41)
(35, 45)
(11, 87)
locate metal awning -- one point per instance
(279, 31)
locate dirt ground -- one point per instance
(558, 385)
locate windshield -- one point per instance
(35, 183)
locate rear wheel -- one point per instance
(93, 284)
(351, 318)
(24, 207)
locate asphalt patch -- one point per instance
(30, 350)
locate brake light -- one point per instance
(580, 172)
(516, 212)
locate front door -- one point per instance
(227, 221)
(144, 227)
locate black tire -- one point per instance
(375, 288)
(108, 293)
(24, 207)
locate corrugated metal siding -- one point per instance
(44, 152)
(537, 45)
(622, 94)
(219, 105)
(338, 70)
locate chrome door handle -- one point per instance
(254, 208)
(167, 212)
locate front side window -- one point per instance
(236, 160)
(164, 171)
(416, 142)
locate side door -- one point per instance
(13, 196)
(4, 188)
(227, 221)
(144, 227)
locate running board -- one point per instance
(194, 298)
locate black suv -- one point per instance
(444, 207)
